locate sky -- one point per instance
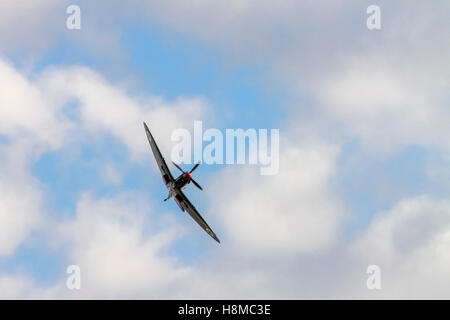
(364, 125)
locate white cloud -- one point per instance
(20, 211)
(411, 244)
(25, 110)
(15, 287)
(120, 246)
(29, 127)
(323, 51)
(409, 225)
(386, 104)
(292, 212)
(118, 258)
(30, 24)
(255, 30)
(112, 175)
(121, 249)
(35, 118)
(390, 90)
(104, 107)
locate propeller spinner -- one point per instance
(188, 176)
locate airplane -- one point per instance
(175, 186)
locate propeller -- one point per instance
(196, 184)
(192, 170)
(195, 167)
(178, 167)
(193, 181)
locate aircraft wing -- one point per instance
(167, 176)
(185, 204)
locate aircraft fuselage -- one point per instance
(180, 183)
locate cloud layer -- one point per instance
(284, 236)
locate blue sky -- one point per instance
(362, 151)
(166, 65)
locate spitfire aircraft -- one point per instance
(175, 186)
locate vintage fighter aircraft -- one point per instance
(175, 186)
